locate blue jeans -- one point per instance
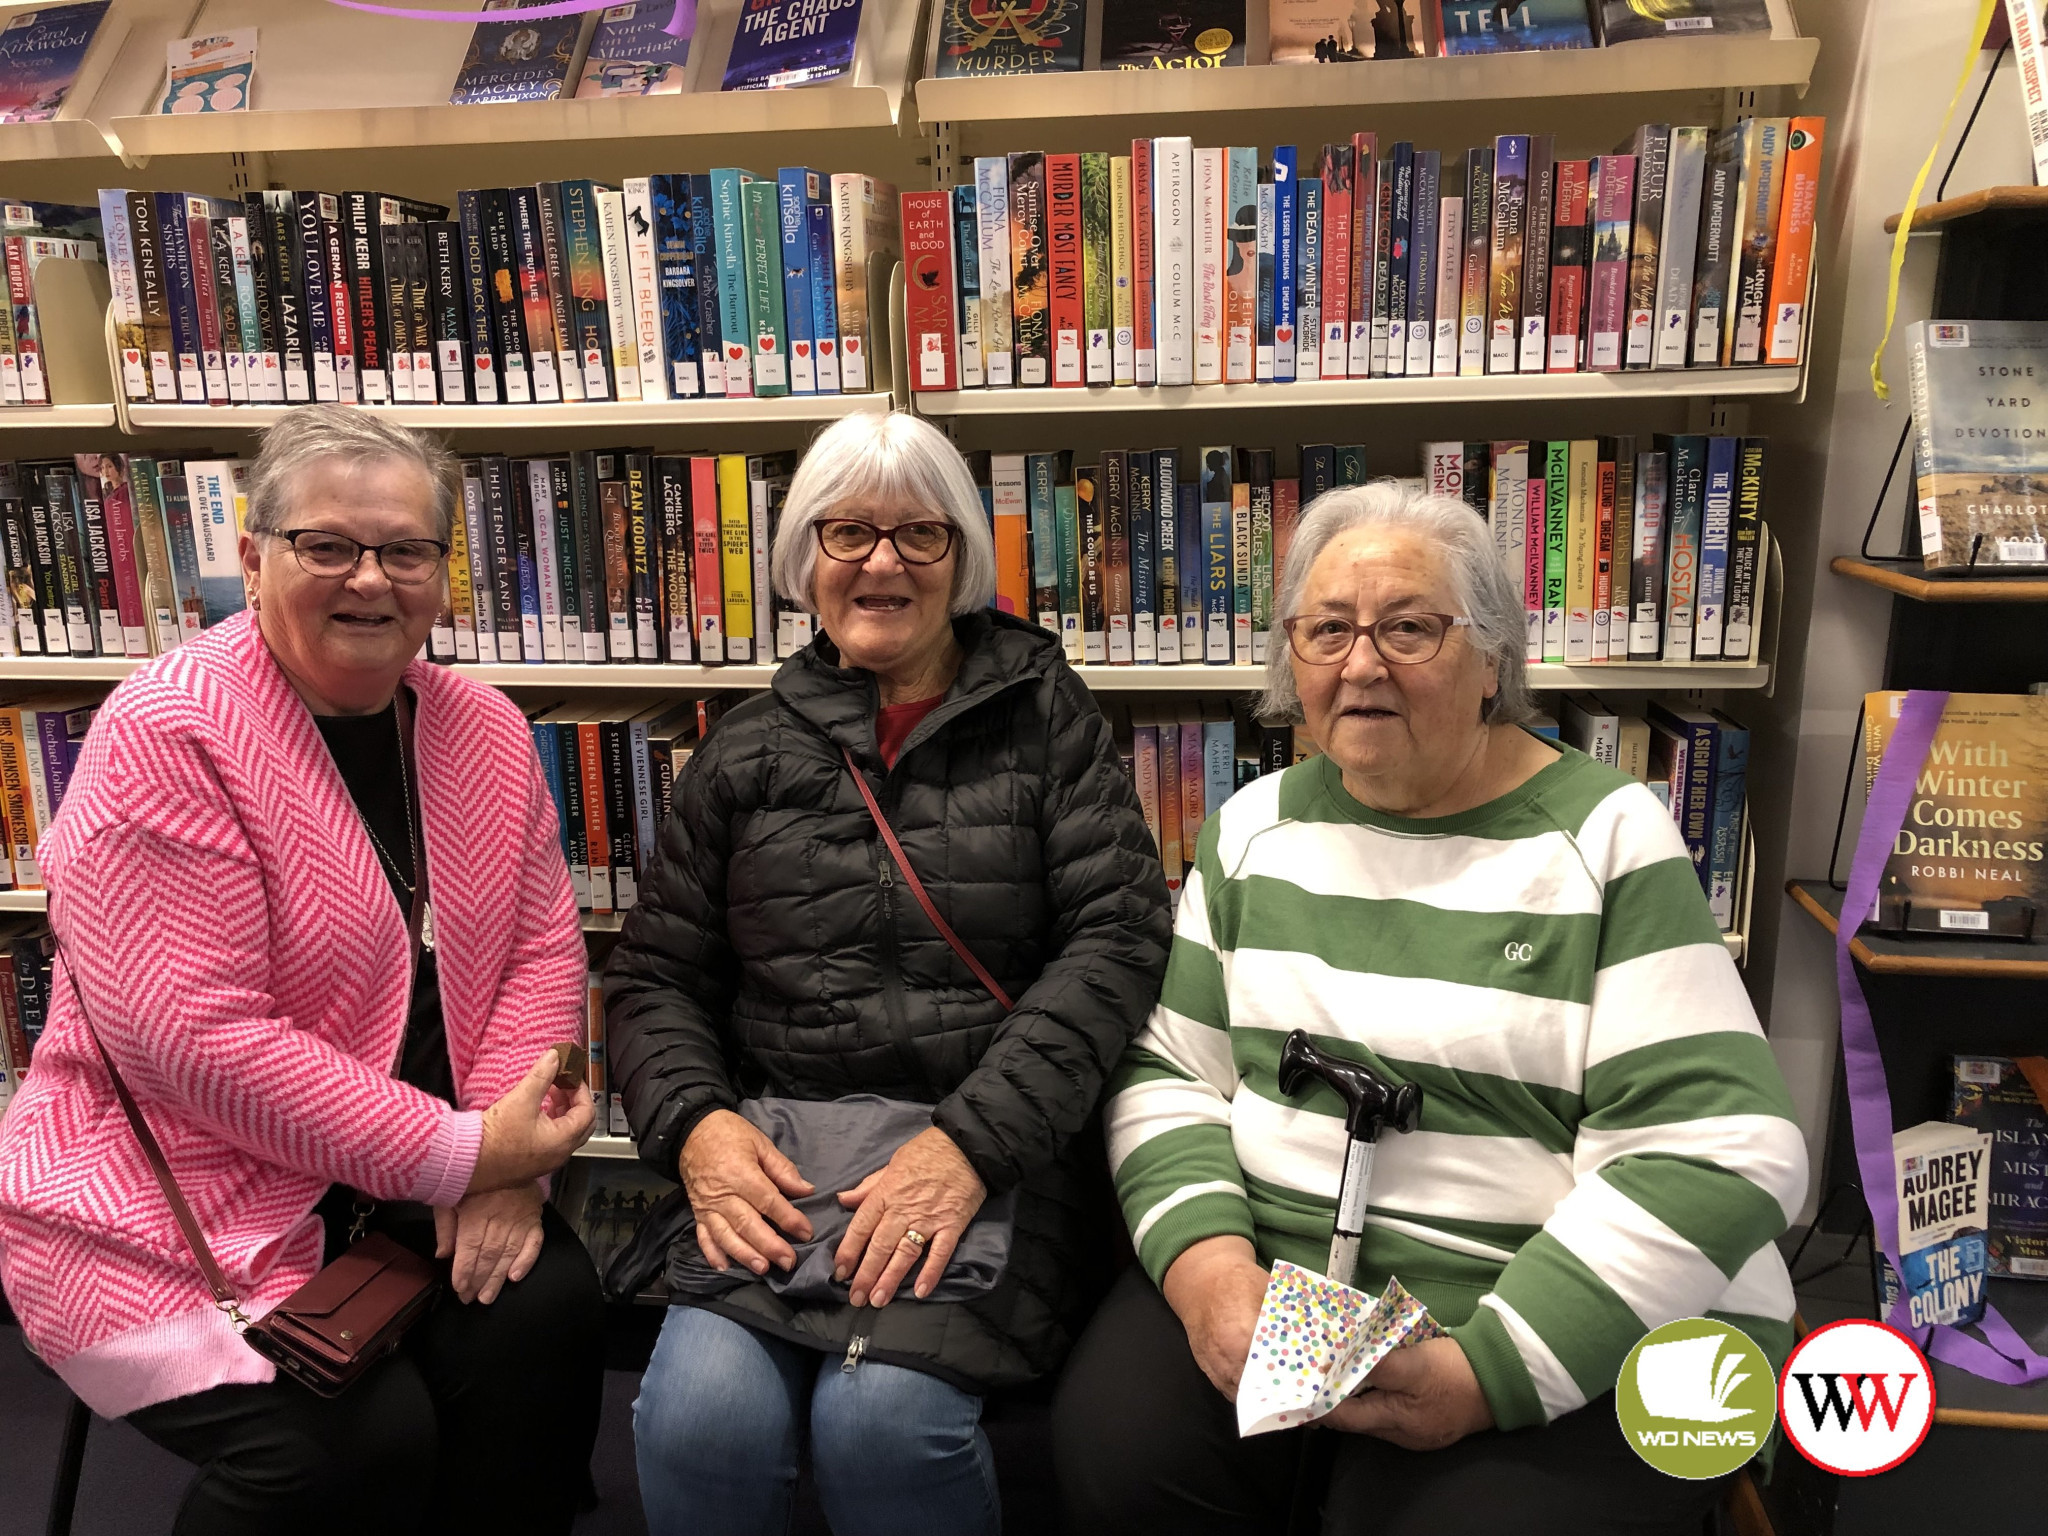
(721, 1417)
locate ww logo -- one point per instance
(1856, 1398)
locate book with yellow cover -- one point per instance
(1581, 529)
(736, 555)
(1974, 846)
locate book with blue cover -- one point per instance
(1724, 831)
(633, 54)
(2004, 1098)
(792, 42)
(520, 60)
(1486, 26)
(40, 55)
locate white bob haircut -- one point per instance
(900, 461)
(310, 433)
(1472, 567)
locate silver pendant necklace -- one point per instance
(412, 836)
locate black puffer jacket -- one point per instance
(775, 952)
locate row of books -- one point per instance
(1058, 36)
(40, 738)
(1696, 761)
(29, 234)
(1175, 265)
(668, 287)
(26, 950)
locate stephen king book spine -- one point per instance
(1030, 256)
(589, 308)
(644, 283)
(1066, 312)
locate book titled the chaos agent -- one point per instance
(519, 60)
(1971, 849)
(974, 38)
(792, 42)
(40, 55)
(1982, 425)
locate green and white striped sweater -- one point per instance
(1606, 1142)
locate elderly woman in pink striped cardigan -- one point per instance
(231, 877)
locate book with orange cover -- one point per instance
(1785, 320)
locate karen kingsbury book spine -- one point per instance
(618, 284)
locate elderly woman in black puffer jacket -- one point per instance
(886, 1159)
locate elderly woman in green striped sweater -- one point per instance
(1605, 1145)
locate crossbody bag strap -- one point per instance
(216, 1279)
(917, 887)
(415, 920)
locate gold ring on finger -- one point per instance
(915, 1238)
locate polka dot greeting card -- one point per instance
(1315, 1343)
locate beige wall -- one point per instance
(1884, 76)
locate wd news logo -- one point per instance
(1857, 1398)
(1694, 1398)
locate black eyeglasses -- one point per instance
(1403, 639)
(851, 540)
(332, 556)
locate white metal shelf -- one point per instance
(44, 418)
(498, 418)
(1640, 68)
(609, 1146)
(1676, 383)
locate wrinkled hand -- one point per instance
(493, 1237)
(1422, 1398)
(738, 1184)
(929, 1188)
(1216, 1288)
(532, 1130)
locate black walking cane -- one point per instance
(1371, 1105)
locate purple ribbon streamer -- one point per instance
(2007, 1358)
(682, 24)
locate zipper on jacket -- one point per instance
(857, 1346)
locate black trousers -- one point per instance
(483, 1420)
(1144, 1443)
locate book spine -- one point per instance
(1098, 353)
(1259, 493)
(102, 598)
(1263, 334)
(1797, 201)
(1211, 248)
(159, 586)
(117, 509)
(1401, 225)
(589, 305)
(1166, 544)
(1653, 150)
(1123, 317)
(1747, 551)
(643, 556)
(992, 268)
(1582, 530)
(1116, 556)
(1649, 565)
(547, 562)
(1621, 452)
(1067, 559)
(1144, 537)
(1065, 310)
(1505, 259)
(761, 520)
(1215, 486)
(1720, 218)
(152, 284)
(483, 582)
(1193, 564)
(1030, 257)
(42, 552)
(502, 539)
(213, 366)
(316, 289)
(1756, 254)
(1336, 307)
(17, 349)
(1380, 298)
(792, 256)
(1476, 296)
(1717, 510)
(262, 365)
(617, 277)
(852, 196)
(1241, 265)
(929, 304)
(586, 539)
(1173, 219)
(526, 514)
(617, 564)
(535, 305)
(1724, 836)
(437, 279)
(824, 287)
(1093, 559)
(234, 347)
(1144, 260)
(1450, 269)
(1308, 303)
(2030, 55)
(476, 292)
(555, 257)
(1286, 263)
(643, 280)
(178, 287)
(1366, 205)
(967, 274)
(763, 277)
(1009, 501)
(563, 542)
(704, 254)
(362, 245)
(347, 390)
(461, 588)
(1607, 292)
(506, 300)
(1532, 355)
(1556, 545)
(1041, 478)
(736, 561)
(1567, 266)
(675, 278)
(1240, 573)
(1678, 249)
(706, 574)
(126, 287)
(1603, 551)
(1682, 543)
(596, 830)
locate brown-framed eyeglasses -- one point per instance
(332, 556)
(1402, 639)
(851, 540)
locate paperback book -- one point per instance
(1982, 441)
(632, 53)
(528, 60)
(1487, 26)
(792, 42)
(1202, 34)
(1318, 31)
(974, 38)
(40, 55)
(1624, 21)
(2007, 1098)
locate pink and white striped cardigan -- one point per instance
(248, 970)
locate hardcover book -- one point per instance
(1623, 21)
(521, 60)
(1487, 26)
(1756, 238)
(1972, 844)
(974, 38)
(1982, 452)
(928, 289)
(633, 54)
(2005, 1097)
(1318, 31)
(791, 42)
(1201, 34)
(40, 55)
(1031, 317)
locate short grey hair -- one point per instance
(897, 458)
(310, 433)
(1472, 563)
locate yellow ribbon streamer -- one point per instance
(1898, 262)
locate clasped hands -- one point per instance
(740, 1187)
(494, 1232)
(1422, 1397)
